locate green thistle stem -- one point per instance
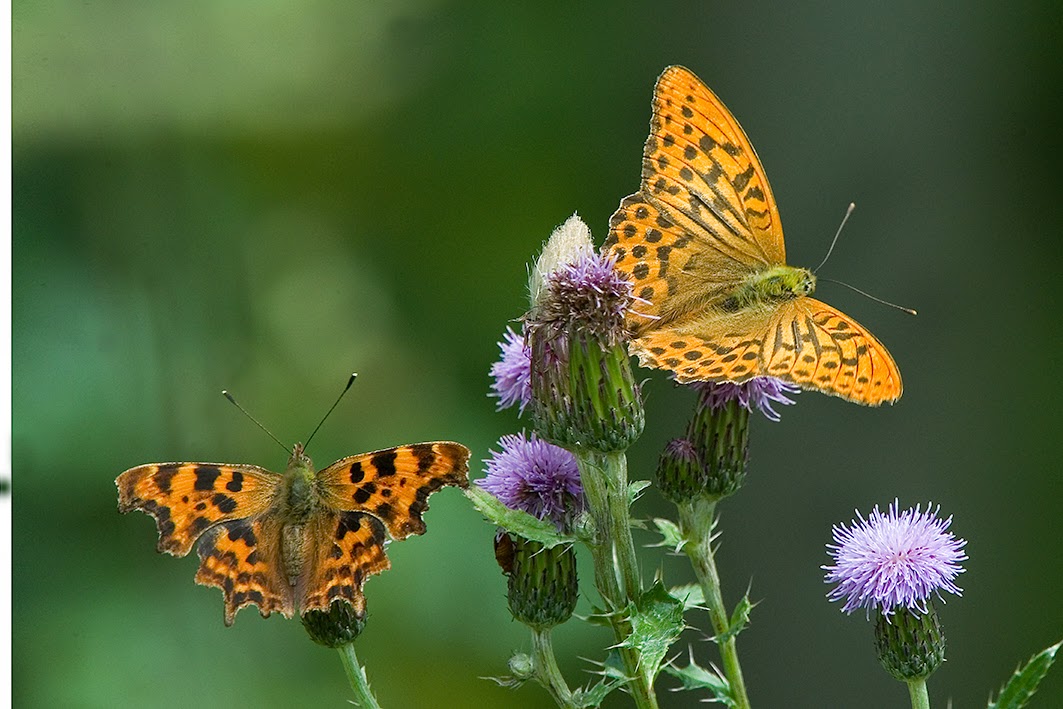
(696, 519)
(363, 696)
(917, 692)
(616, 574)
(547, 671)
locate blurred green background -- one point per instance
(265, 197)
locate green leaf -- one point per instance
(739, 619)
(516, 521)
(694, 677)
(634, 490)
(672, 535)
(690, 595)
(1018, 690)
(595, 695)
(656, 623)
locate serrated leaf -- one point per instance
(671, 535)
(656, 623)
(509, 682)
(593, 696)
(1018, 690)
(516, 521)
(739, 619)
(691, 595)
(695, 677)
(634, 490)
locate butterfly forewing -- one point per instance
(696, 142)
(186, 499)
(393, 485)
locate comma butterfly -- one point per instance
(298, 541)
(702, 242)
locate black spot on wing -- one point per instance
(205, 476)
(384, 463)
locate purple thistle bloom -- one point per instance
(512, 373)
(759, 393)
(535, 476)
(589, 290)
(892, 560)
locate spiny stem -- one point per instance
(363, 696)
(616, 574)
(547, 671)
(696, 521)
(919, 696)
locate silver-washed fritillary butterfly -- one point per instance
(702, 241)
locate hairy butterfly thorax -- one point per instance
(767, 287)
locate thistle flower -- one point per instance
(893, 563)
(512, 373)
(757, 393)
(541, 479)
(583, 390)
(894, 560)
(535, 476)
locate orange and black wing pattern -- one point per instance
(346, 548)
(393, 485)
(187, 499)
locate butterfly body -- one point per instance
(771, 285)
(297, 541)
(702, 243)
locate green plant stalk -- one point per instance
(363, 696)
(696, 520)
(547, 671)
(917, 692)
(616, 574)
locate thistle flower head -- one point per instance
(894, 561)
(512, 373)
(583, 390)
(588, 291)
(535, 476)
(757, 393)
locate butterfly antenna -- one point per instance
(852, 206)
(910, 311)
(349, 382)
(233, 401)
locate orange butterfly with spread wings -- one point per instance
(294, 542)
(702, 242)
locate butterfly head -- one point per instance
(804, 281)
(300, 460)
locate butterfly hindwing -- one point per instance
(803, 341)
(393, 484)
(243, 559)
(816, 346)
(186, 499)
(347, 548)
(731, 353)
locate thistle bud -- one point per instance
(543, 586)
(337, 626)
(910, 645)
